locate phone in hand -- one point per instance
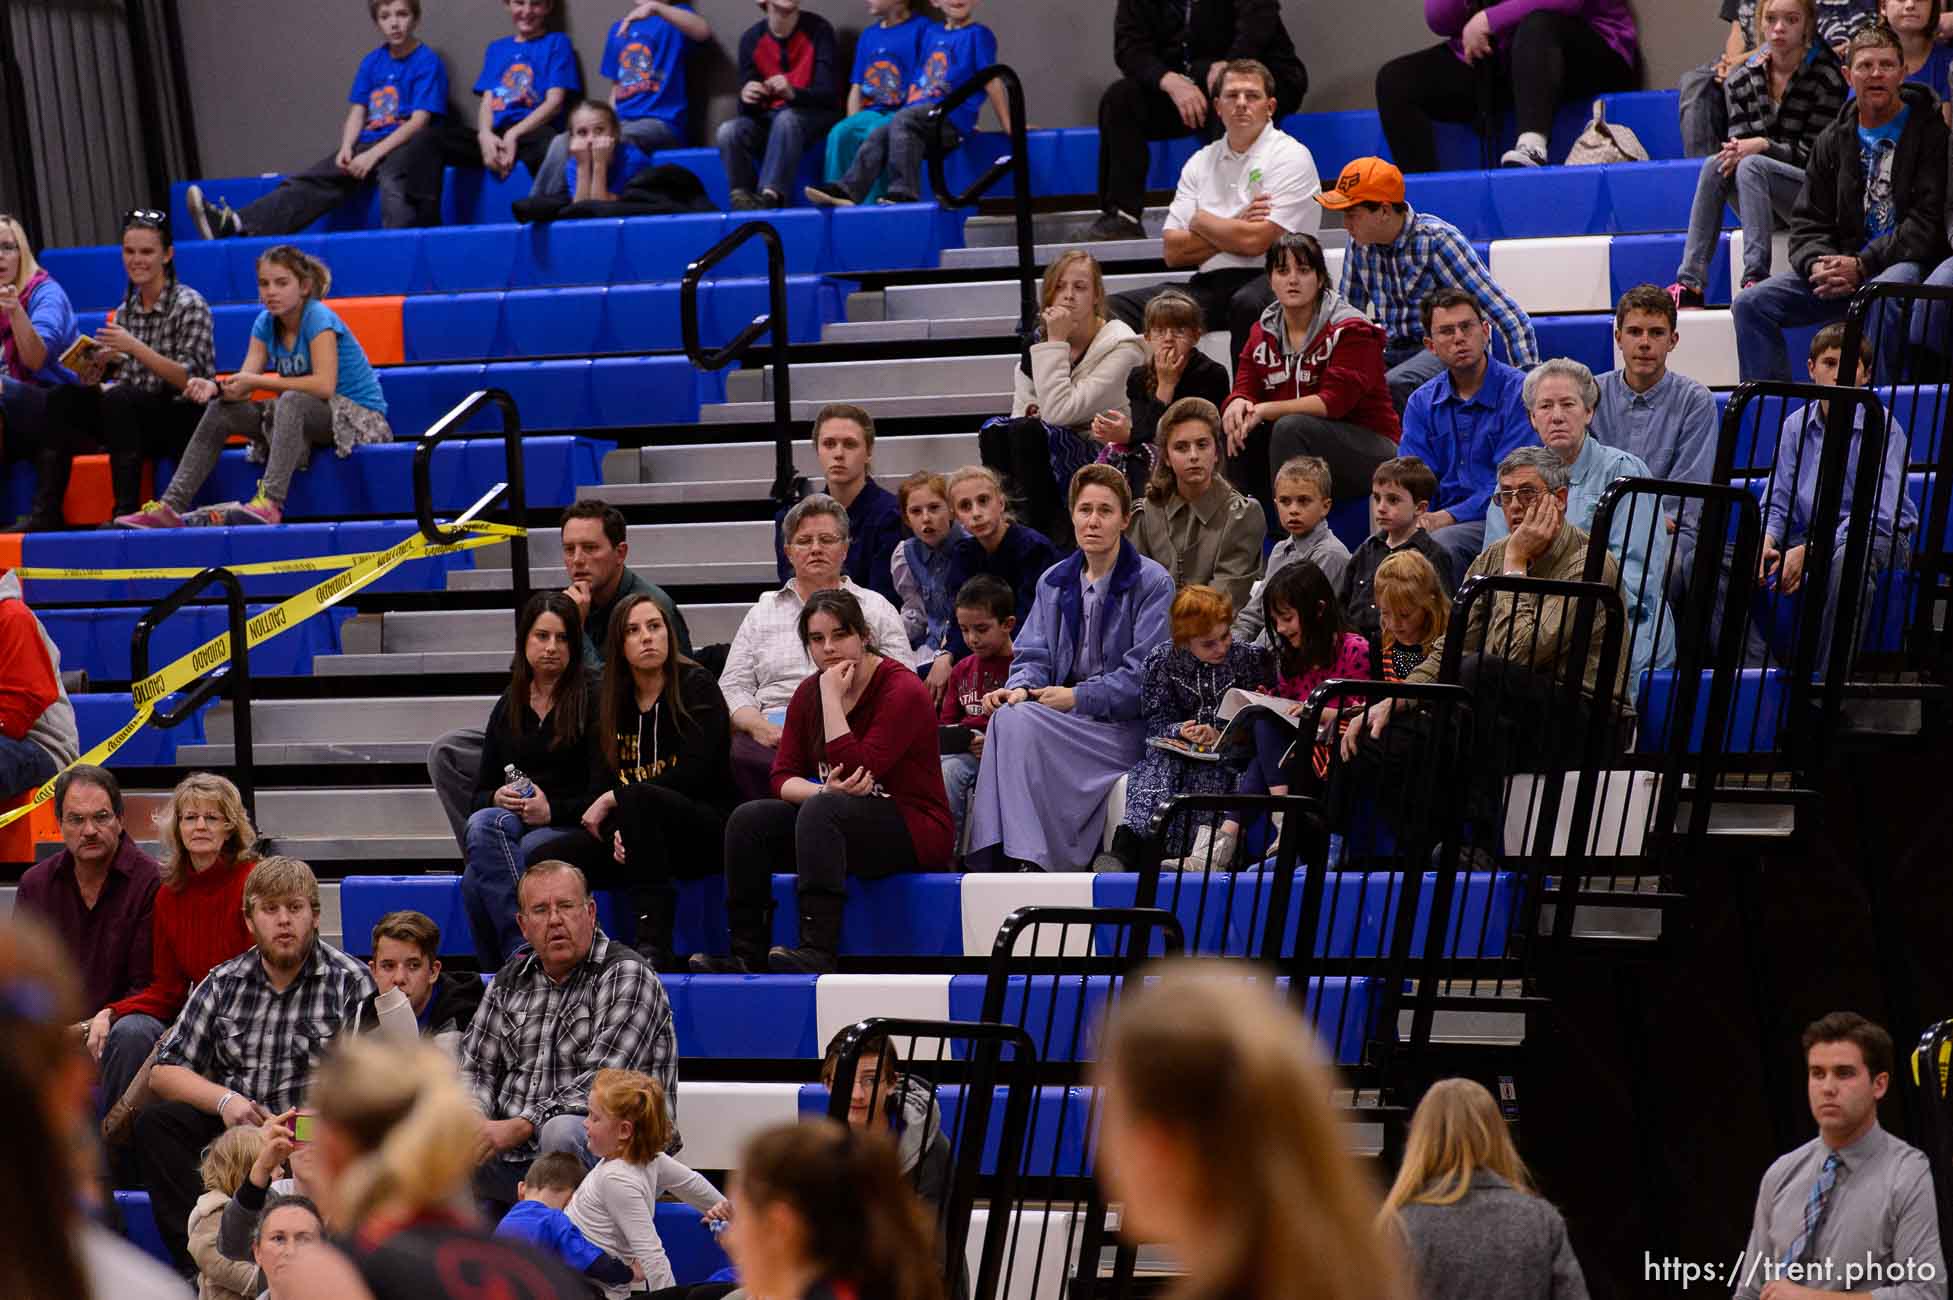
(302, 1128)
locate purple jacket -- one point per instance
(1610, 18)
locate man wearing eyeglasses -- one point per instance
(571, 1004)
(99, 893)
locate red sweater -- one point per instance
(198, 926)
(892, 732)
(971, 680)
(1341, 363)
(27, 685)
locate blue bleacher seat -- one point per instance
(1755, 709)
(692, 1250)
(1654, 259)
(100, 715)
(567, 252)
(139, 1224)
(746, 1017)
(97, 640)
(363, 900)
(1060, 1123)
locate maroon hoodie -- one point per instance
(1340, 362)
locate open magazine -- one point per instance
(1237, 715)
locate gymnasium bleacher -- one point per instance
(909, 311)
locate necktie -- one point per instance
(1827, 1177)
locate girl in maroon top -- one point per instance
(858, 790)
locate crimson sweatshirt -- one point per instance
(891, 732)
(198, 926)
(971, 680)
(1340, 362)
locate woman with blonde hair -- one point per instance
(398, 1138)
(1218, 1141)
(209, 848)
(37, 325)
(1466, 1206)
(1071, 375)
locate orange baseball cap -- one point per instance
(1367, 180)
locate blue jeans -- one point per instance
(959, 778)
(898, 149)
(1763, 189)
(497, 849)
(24, 766)
(647, 133)
(775, 143)
(1764, 311)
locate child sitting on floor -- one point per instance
(538, 1218)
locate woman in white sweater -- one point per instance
(615, 1207)
(1069, 380)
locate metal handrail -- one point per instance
(232, 676)
(788, 483)
(515, 492)
(1017, 163)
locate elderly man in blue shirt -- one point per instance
(1560, 397)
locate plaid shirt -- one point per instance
(1391, 281)
(1810, 103)
(535, 1046)
(178, 327)
(237, 1031)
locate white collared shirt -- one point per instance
(1222, 182)
(767, 662)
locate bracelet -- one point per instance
(224, 1101)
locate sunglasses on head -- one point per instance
(147, 218)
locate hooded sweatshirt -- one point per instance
(1341, 362)
(33, 704)
(1069, 396)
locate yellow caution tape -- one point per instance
(489, 534)
(282, 617)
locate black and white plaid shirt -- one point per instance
(237, 1031)
(1810, 103)
(178, 327)
(535, 1046)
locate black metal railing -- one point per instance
(788, 483)
(515, 493)
(230, 677)
(1016, 164)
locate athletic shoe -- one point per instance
(830, 195)
(1212, 850)
(153, 515)
(745, 201)
(771, 199)
(1114, 226)
(260, 509)
(1522, 155)
(212, 220)
(1685, 298)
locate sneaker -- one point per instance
(804, 960)
(891, 198)
(771, 199)
(1212, 850)
(1523, 155)
(212, 220)
(745, 201)
(830, 195)
(259, 509)
(1685, 298)
(153, 515)
(1114, 226)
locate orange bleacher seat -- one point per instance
(91, 492)
(10, 550)
(17, 839)
(378, 325)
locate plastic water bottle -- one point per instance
(512, 775)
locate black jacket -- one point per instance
(693, 758)
(1151, 38)
(1203, 377)
(561, 773)
(1829, 219)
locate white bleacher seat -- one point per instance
(841, 1000)
(1624, 800)
(1707, 353)
(1779, 257)
(988, 899)
(1039, 1254)
(1556, 275)
(716, 1119)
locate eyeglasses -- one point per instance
(147, 218)
(80, 821)
(1524, 496)
(826, 541)
(563, 907)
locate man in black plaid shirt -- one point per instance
(246, 1044)
(574, 1003)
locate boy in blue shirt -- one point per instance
(537, 1217)
(398, 92)
(525, 81)
(644, 57)
(950, 54)
(884, 62)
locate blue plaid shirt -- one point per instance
(1391, 281)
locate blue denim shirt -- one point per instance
(1792, 494)
(1464, 441)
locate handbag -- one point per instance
(1604, 142)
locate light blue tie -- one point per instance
(1827, 1177)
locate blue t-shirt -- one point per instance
(885, 62)
(550, 1230)
(647, 61)
(391, 90)
(53, 317)
(515, 75)
(1933, 73)
(624, 164)
(356, 381)
(945, 60)
(1876, 147)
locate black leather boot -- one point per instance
(51, 469)
(751, 928)
(656, 916)
(820, 939)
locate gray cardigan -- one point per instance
(1495, 1243)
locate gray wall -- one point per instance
(269, 77)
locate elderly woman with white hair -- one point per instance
(1560, 397)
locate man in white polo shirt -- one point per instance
(1236, 197)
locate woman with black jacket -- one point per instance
(663, 764)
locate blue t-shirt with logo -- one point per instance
(1876, 147)
(625, 162)
(391, 90)
(515, 75)
(885, 62)
(946, 59)
(356, 381)
(647, 61)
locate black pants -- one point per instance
(1230, 299)
(668, 836)
(826, 839)
(410, 191)
(1352, 451)
(460, 147)
(131, 425)
(1551, 58)
(1130, 114)
(169, 1139)
(1020, 452)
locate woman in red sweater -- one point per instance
(1309, 382)
(209, 847)
(858, 790)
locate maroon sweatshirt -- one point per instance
(892, 732)
(1341, 362)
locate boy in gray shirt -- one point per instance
(1302, 503)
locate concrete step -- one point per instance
(292, 732)
(743, 471)
(941, 406)
(832, 381)
(755, 572)
(1119, 250)
(912, 331)
(1048, 228)
(994, 242)
(660, 545)
(961, 300)
(477, 631)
